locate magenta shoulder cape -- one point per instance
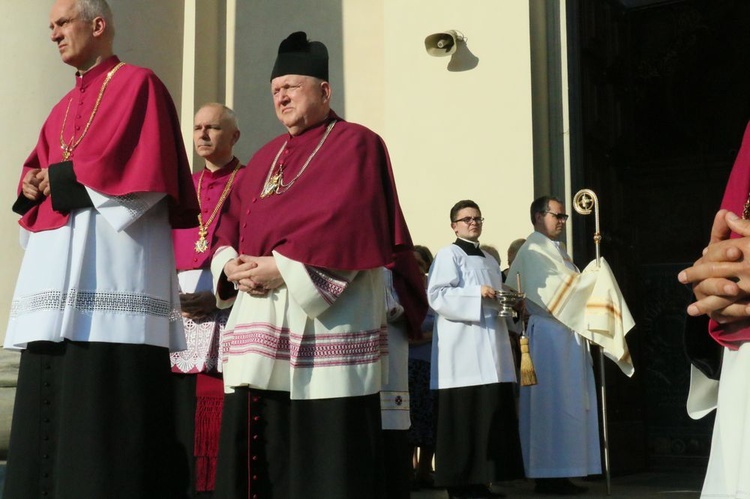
(133, 144)
(341, 213)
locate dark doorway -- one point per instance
(659, 103)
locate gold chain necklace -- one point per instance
(275, 183)
(201, 245)
(68, 148)
(746, 210)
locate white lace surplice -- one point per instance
(307, 337)
(107, 276)
(203, 336)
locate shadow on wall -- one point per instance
(451, 43)
(463, 59)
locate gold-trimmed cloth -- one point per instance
(590, 303)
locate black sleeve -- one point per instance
(23, 204)
(703, 352)
(66, 192)
(224, 288)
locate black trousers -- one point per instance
(477, 436)
(397, 454)
(272, 447)
(94, 420)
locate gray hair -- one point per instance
(91, 9)
(513, 249)
(226, 112)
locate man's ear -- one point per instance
(325, 88)
(99, 25)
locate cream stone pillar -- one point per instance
(204, 72)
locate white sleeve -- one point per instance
(222, 255)
(121, 211)
(703, 394)
(315, 289)
(449, 295)
(393, 308)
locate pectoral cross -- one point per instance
(201, 245)
(272, 186)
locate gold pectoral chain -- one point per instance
(275, 181)
(201, 245)
(70, 147)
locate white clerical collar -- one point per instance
(474, 243)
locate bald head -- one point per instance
(215, 132)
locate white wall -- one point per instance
(451, 135)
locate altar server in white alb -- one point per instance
(472, 365)
(559, 421)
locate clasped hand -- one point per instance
(721, 277)
(256, 275)
(36, 184)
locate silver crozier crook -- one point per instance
(584, 202)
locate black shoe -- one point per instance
(483, 492)
(414, 485)
(473, 492)
(494, 494)
(558, 486)
(473, 495)
(593, 478)
(489, 493)
(425, 482)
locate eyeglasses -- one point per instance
(468, 220)
(560, 216)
